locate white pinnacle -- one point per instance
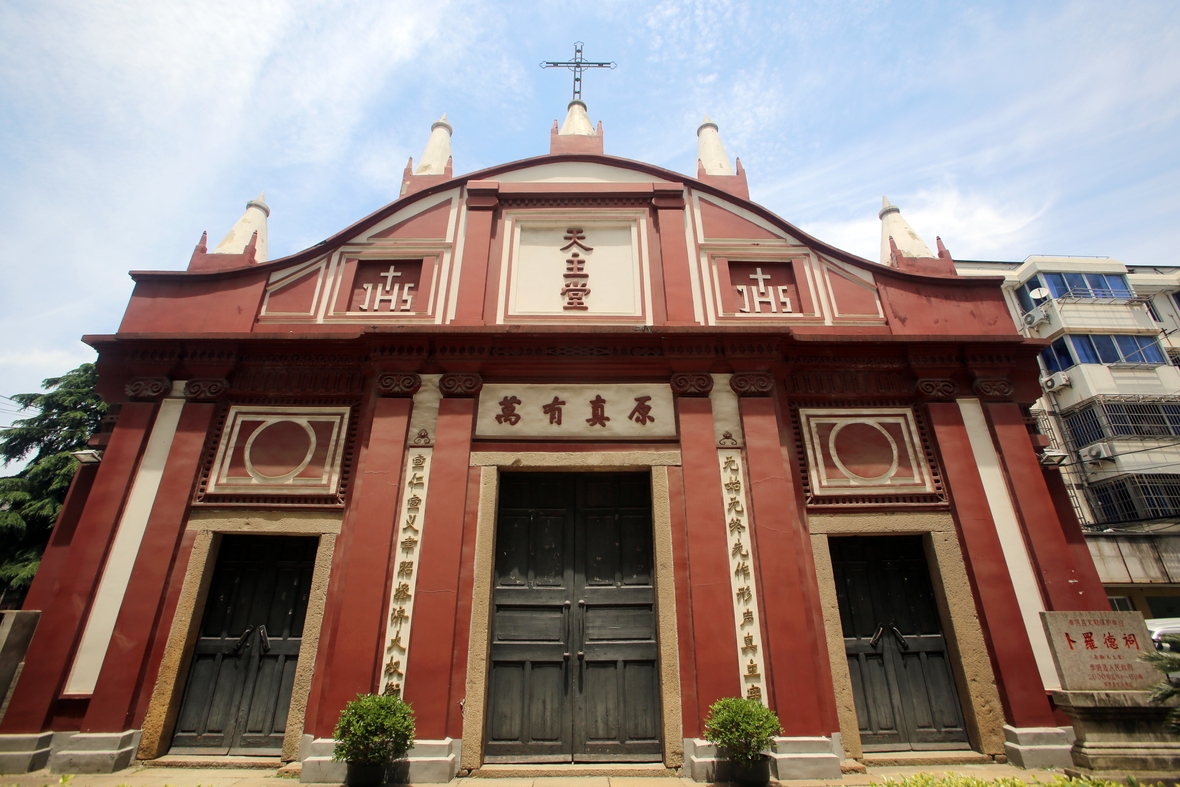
(577, 122)
(253, 220)
(710, 151)
(894, 226)
(438, 149)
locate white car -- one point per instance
(1161, 626)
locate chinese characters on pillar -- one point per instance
(407, 544)
(577, 281)
(742, 573)
(576, 412)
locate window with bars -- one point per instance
(1122, 419)
(1136, 497)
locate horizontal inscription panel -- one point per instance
(632, 411)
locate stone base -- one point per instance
(1120, 777)
(790, 758)
(1121, 732)
(1038, 747)
(96, 752)
(24, 753)
(429, 762)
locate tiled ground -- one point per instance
(218, 777)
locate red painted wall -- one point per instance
(190, 304)
(51, 652)
(349, 659)
(1017, 677)
(428, 671)
(713, 632)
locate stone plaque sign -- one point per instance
(1099, 651)
(642, 411)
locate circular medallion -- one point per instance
(279, 450)
(864, 452)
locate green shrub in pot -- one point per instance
(744, 729)
(373, 731)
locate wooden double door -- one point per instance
(902, 681)
(573, 671)
(243, 664)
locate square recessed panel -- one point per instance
(280, 450)
(543, 268)
(864, 450)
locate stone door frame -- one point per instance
(210, 525)
(655, 462)
(983, 714)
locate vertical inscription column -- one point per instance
(349, 656)
(708, 547)
(436, 592)
(796, 648)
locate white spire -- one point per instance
(577, 122)
(894, 226)
(438, 149)
(710, 151)
(253, 220)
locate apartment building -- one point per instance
(1110, 409)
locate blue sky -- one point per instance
(128, 128)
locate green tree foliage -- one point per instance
(64, 418)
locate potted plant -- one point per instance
(743, 729)
(373, 731)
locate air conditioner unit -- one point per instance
(1035, 317)
(1055, 381)
(1098, 452)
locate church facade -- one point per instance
(561, 452)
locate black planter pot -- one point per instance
(363, 774)
(755, 774)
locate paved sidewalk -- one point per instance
(241, 777)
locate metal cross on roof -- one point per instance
(577, 65)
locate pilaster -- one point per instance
(1017, 675)
(52, 650)
(429, 664)
(713, 630)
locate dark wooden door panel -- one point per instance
(573, 668)
(243, 666)
(902, 680)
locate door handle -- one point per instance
(565, 613)
(242, 640)
(265, 640)
(876, 636)
(900, 638)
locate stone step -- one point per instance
(618, 769)
(214, 761)
(895, 759)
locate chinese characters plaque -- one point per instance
(577, 412)
(1099, 651)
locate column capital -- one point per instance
(398, 384)
(752, 384)
(460, 384)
